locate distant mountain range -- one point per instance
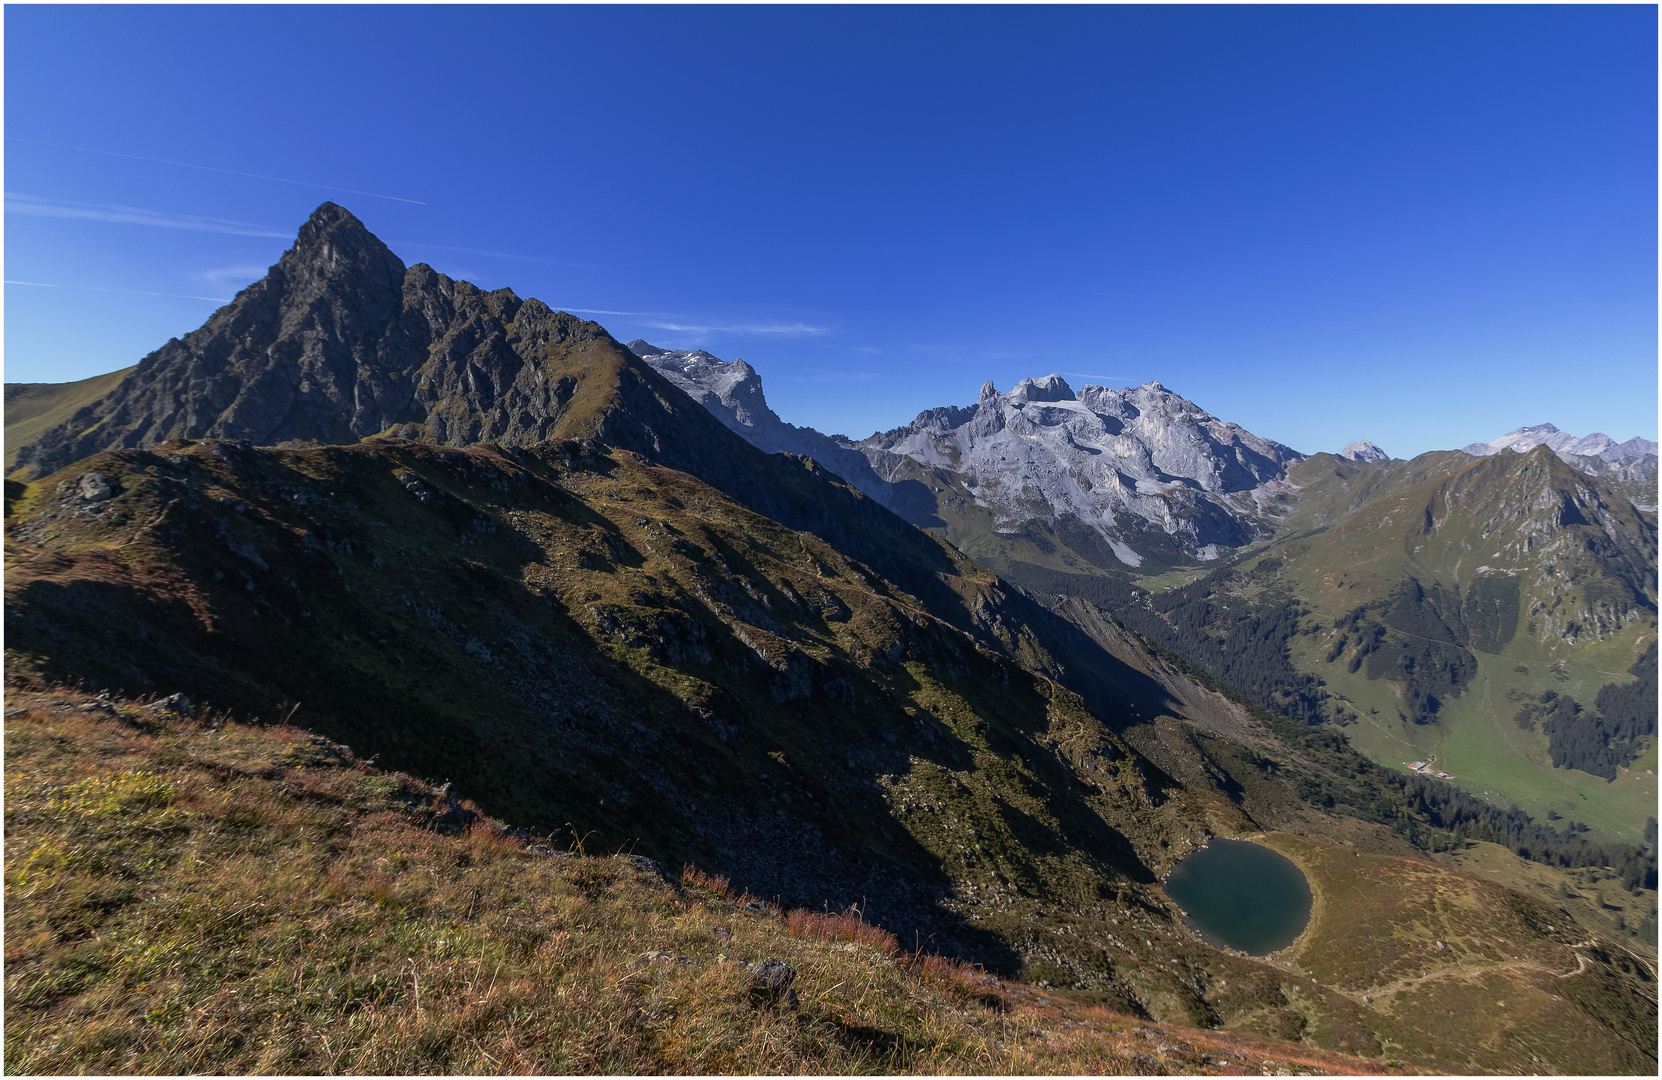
(1120, 477)
(488, 542)
(1076, 495)
(1132, 479)
(1633, 461)
(1597, 444)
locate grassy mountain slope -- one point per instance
(592, 646)
(1331, 488)
(1470, 612)
(32, 408)
(187, 894)
(603, 617)
(782, 709)
(1522, 574)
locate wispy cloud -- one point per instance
(232, 278)
(35, 206)
(215, 168)
(657, 320)
(784, 329)
(1106, 379)
(130, 292)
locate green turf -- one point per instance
(1478, 743)
(32, 408)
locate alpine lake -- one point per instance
(1242, 895)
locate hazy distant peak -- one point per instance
(1597, 445)
(642, 348)
(1363, 450)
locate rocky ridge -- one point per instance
(340, 342)
(1129, 466)
(732, 392)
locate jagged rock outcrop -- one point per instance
(339, 342)
(1124, 464)
(732, 392)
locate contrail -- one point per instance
(212, 168)
(134, 292)
(35, 206)
(787, 329)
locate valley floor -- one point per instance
(1476, 741)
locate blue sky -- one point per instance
(1421, 225)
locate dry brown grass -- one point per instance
(201, 896)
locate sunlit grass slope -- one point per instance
(31, 408)
(195, 895)
(1468, 972)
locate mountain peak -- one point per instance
(1363, 450)
(326, 349)
(1050, 388)
(643, 348)
(333, 225)
(335, 253)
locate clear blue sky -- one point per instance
(1420, 225)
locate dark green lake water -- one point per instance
(1243, 895)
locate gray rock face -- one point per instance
(94, 487)
(1118, 461)
(1142, 456)
(732, 392)
(338, 342)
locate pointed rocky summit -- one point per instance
(341, 342)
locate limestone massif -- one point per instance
(1127, 476)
